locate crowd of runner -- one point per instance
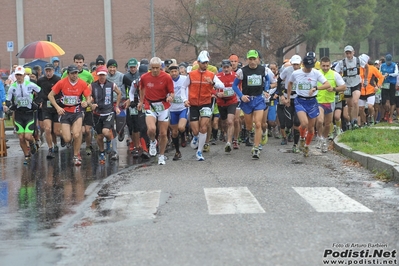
(157, 104)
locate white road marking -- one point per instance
(330, 199)
(231, 200)
(138, 204)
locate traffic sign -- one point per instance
(10, 46)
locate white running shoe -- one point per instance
(153, 148)
(161, 160)
(324, 147)
(194, 142)
(319, 142)
(199, 156)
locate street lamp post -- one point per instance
(152, 29)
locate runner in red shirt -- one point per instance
(227, 102)
(156, 93)
(72, 88)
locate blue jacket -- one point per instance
(392, 70)
(2, 93)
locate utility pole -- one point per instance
(152, 28)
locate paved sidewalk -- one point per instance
(381, 162)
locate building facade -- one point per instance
(88, 27)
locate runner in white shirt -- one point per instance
(178, 112)
(304, 81)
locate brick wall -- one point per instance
(78, 27)
(7, 32)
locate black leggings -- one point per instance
(287, 116)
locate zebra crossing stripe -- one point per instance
(137, 204)
(329, 199)
(231, 200)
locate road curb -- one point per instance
(373, 163)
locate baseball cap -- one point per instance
(388, 58)
(295, 59)
(20, 70)
(203, 57)
(101, 70)
(349, 48)
(100, 60)
(48, 66)
(376, 61)
(72, 69)
(312, 54)
(132, 62)
(308, 61)
(226, 62)
(364, 59)
(173, 66)
(168, 62)
(252, 53)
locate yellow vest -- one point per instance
(210, 68)
(324, 96)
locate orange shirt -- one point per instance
(94, 74)
(199, 91)
(71, 94)
(373, 74)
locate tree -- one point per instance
(385, 29)
(359, 22)
(175, 26)
(225, 26)
(324, 19)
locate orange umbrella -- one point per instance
(40, 49)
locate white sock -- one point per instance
(114, 145)
(201, 141)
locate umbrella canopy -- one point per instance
(35, 62)
(40, 49)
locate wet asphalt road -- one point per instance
(34, 197)
(58, 214)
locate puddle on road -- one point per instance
(138, 206)
(33, 197)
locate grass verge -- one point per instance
(372, 140)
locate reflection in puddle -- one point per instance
(33, 197)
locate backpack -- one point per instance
(345, 68)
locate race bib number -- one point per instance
(205, 112)
(49, 105)
(348, 91)
(254, 80)
(133, 111)
(157, 107)
(71, 100)
(228, 92)
(107, 98)
(304, 86)
(23, 102)
(396, 93)
(177, 99)
(385, 85)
